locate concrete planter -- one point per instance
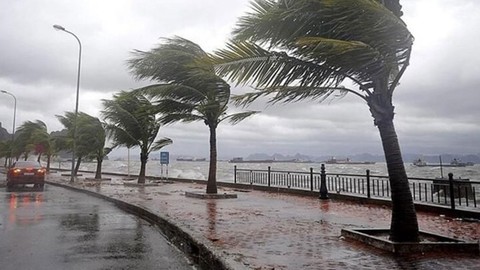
(378, 237)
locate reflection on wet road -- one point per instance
(62, 229)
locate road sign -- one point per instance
(164, 158)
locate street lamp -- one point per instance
(14, 116)
(61, 28)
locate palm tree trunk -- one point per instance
(404, 224)
(77, 166)
(143, 166)
(212, 171)
(49, 157)
(98, 171)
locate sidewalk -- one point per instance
(260, 230)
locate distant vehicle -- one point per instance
(26, 172)
(347, 161)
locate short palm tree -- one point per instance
(34, 137)
(90, 137)
(5, 151)
(131, 121)
(91, 140)
(305, 49)
(188, 90)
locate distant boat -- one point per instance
(458, 163)
(347, 161)
(419, 163)
(241, 160)
(191, 159)
(184, 159)
(454, 163)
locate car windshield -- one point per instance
(26, 164)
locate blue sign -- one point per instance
(164, 158)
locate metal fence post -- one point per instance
(452, 195)
(235, 174)
(268, 175)
(323, 183)
(368, 183)
(311, 179)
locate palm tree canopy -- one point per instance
(131, 121)
(33, 136)
(90, 132)
(189, 90)
(300, 49)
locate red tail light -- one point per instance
(41, 171)
(16, 171)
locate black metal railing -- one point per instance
(451, 192)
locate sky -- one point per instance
(437, 103)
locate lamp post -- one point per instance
(61, 28)
(14, 116)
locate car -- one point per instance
(26, 172)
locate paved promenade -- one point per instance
(260, 230)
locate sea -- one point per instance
(225, 170)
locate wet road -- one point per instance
(62, 229)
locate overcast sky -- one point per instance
(437, 103)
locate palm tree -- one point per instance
(34, 137)
(313, 46)
(130, 121)
(5, 151)
(90, 140)
(188, 90)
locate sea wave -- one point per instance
(225, 170)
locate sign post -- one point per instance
(164, 160)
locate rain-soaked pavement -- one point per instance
(62, 229)
(261, 230)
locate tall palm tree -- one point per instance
(130, 121)
(313, 46)
(188, 90)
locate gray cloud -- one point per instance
(436, 103)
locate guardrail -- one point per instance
(450, 192)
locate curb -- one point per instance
(196, 249)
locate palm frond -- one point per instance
(244, 62)
(181, 92)
(159, 144)
(238, 117)
(169, 62)
(180, 117)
